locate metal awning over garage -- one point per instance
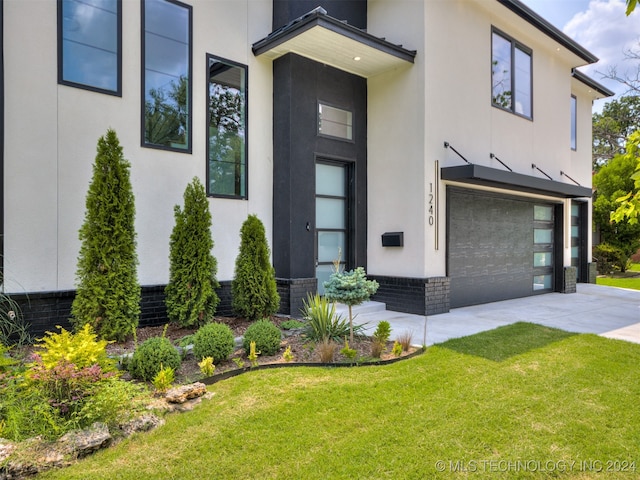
(327, 40)
(492, 177)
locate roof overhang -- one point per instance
(492, 177)
(591, 83)
(524, 12)
(325, 39)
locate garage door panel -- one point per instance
(490, 247)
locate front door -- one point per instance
(332, 220)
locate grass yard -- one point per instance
(521, 401)
(630, 280)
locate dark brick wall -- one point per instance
(43, 311)
(570, 280)
(420, 296)
(437, 295)
(292, 292)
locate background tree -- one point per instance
(108, 293)
(619, 240)
(253, 288)
(191, 298)
(628, 207)
(619, 118)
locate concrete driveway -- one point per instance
(607, 311)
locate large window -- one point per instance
(90, 44)
(574, 116)
(166, 75)
(543, 247)
(511, 75)
(227, 127)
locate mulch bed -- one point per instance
(304, 352)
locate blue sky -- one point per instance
(600, 26)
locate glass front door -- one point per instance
(331, 220)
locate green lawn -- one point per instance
(522, 401)
(633, 283)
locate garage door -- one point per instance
(498, 247)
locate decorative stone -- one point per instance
(84, 442)
(143, 423)
(186, 392)
(6, 447)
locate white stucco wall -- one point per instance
(446, 96)
(395, 144)
(51, 133)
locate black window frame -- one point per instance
(574, 123)
(62, 81)
(515, 45)
(245, 196)
(189, 135)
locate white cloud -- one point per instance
(607, 32)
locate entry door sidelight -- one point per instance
(332, 210)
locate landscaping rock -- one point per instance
(83, 442)
(143, 423)
(185, 392)
(6, 447)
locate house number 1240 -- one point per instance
(431, 214)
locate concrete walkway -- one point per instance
(607, 311)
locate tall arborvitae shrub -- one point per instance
(253, 288)
(191, 298)
(108, 293)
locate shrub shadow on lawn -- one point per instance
(508, 341)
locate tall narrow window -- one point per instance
(574, 117)
(166, 76)
(227, 127)
(90, 45)
(511, 75)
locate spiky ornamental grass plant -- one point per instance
(253, 288)
(191, 298)
(108, 293)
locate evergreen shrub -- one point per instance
(191, 298)
(151, 356)
(213, 340)
(253, 289)
(108, 293)
(265, 335)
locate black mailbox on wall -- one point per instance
(393, 239)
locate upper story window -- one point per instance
(227, 127)
(574, 118)
(166, 75)
(335, 122)
(90, 45)
(511, 75)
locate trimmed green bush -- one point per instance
(108, 293)
(266, 335)
(191, 298)
(213, 340)
(151, 356)
(253, 287)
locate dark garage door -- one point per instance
(491, 249)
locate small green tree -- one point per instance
(253, 288)
(190, 295)
(351, 288)
(108, 293)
